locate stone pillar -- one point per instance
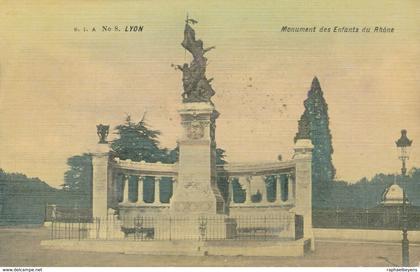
(278, 191)
(264, 195)
(157, 190)
(100, 174)
(197, 191)
(291, 187)
(174, 186)
(112, 189)
(140, 190)
(248, 199)
(303, 178)
(126, 189)
(230, 180)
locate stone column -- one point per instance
(174, 186)
(112, 189)
(278, 191)
(291, 187)
(264, 195)
(303, 194)
(230, 180)
(157, 189)
(126, 189)
(248, 190)
(100, 168)
(140, 190)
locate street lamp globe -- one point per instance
(403, 145)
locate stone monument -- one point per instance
(197, 191)
(197, 210)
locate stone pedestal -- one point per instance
(197, 191)
(303, 194)
(100, 161)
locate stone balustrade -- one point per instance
(249, 176)
(255, 177)
(282, 193)
(145, 168)
(255, 169)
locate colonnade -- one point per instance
(285, 194)
(140, 192)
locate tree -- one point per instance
(79, 176)
(78, 179)
(222, 181)
(314, 124)
(138, 142)
(220, 156)
(23, 199)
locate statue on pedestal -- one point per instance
(197, 87)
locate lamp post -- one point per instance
(403, 144)
(405, 242)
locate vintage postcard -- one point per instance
(209, 133)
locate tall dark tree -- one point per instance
(314, 124)
(78, 179)
(138, 142)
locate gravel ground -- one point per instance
(21, 247)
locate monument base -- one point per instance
(197, 191)
(191, 227)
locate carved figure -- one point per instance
(196, 86)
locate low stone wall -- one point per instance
(365, 235)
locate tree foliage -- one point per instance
(314, 123)
(138, 142)
(367, 193)
(77, 178)
(135, 141)
(23, 199)
(21, 182)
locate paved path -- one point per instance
(21, 247)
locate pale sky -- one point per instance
(57, 84)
